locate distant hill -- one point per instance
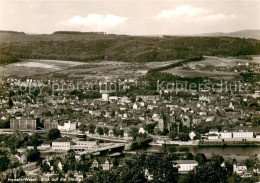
(11, 32)
(93, 47)
(254, 34)
(77, 32)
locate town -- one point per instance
(50, 132)
(127, 91)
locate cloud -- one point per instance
(95, 21)
(188, 13)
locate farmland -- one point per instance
(73, 70)
(212, 66)
(118, 69)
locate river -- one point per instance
(232, 152)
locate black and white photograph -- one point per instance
(130, 91)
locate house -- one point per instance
(3, 118)
(239, 168)
(161, 125)
(147, 97)
(95, 164)
(45, 146)
(212, 136)
(126, 132)
(105, 96)
(141, 130)
(256, 168)
(135, 106)
(156, 117)
(107, 165)
(192, 135)
(231, 106)
(148, 175)
(60, 166)
(23, 158)
(184, 166)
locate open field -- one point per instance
(224, 62)
(193, 69)
(197, 73)
(36, 67)
(40, 69)
(71, 69)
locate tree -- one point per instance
(115, 163)
(5, 124)
(4, 161)
(10, 103)
(250, 163)
(20, 173)
(33, 155)
(190, 156)
(229, 168)
(150, 127)
(35, 140)
(121, 133)
(217, 159)
(91, 128)
(134, 133)
(207, 173)
(82, 127)
(46, 167)
(106, 130)
(116, 132)
(184, 136)
(161, 169)
(200, 158)
(173, 135)
(100, 131)
(53, 134)
(113, 113)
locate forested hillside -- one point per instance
(90, 47)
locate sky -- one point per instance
(132, 17)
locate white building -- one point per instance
(184, 166)
(148, 97)
(212, 136)
(107, 165)
(45, 146)
(192, 135)
(239, 168)
(105, 96)
(225, 134)
(67, 127)
(141, 130)
(135, 106)
(243, 134)
(64, 146)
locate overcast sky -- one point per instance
(134, 17)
